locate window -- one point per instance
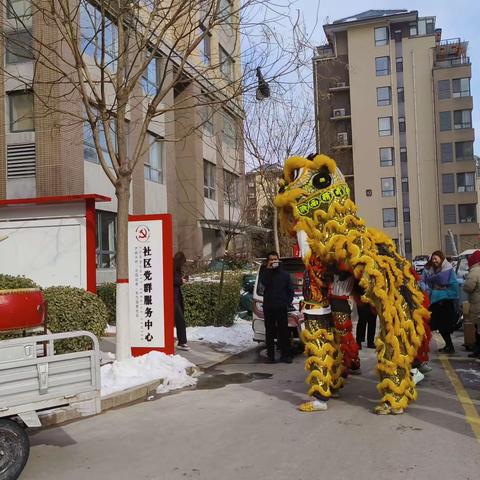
(154, 166)
(461, 87)
(449, 214)
(149, 79)
(229, 132)
(406, 215)
(106, 237)
(463, 151)
(205, 47)
(209, 180)
(384, 96)
(466, 182)
(467, 213)
(403, 154)
(408, 246)
(21, 111)
(426, 26)
(389, 217)
(448, 183)
(462, 119)
(445, 121)
(384, 126)
(413, 29)
(225, 12)
(400, 95)
(388, 187)
(226, 63)
(405, 184)
(18, 47)
(443, 89)
(230, 188)
(399, 64)
(207, 120)
(401, 125)
(446, 152)
(98, 39)
(381, 36)
(89, 151)
(19, 8)
(382, 66)
(386, 157)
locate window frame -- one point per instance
(209, 180)
(446, 152)
(399, 64)
(10, 9)
(462, 124)
(392, 190)
(406, 215)
(103, 142)
(400, 94)
(463, 185)
(205, 46)
(444, 116)
(382, 72)
(463, 157)
(16, 94)
(145, 80)
(461, 93)
(452, 215)
(151, 171)
(473, 206)
(403, 155)
(402, 125)
(100, 217)
(389, 222)
(383, 40)
(231, 179)
(229, 132)
(226, 60)
(387, 162)
(449, 184)
(384, 102)
(28, 50)
(444, 93)
(390, 129)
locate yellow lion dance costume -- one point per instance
(314, 203)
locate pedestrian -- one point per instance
(277, 297)
(440, 283)
(367, 319)
(179, 279)
(472, 287)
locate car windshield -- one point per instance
(295, 268)
(421, 258)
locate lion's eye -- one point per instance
(296, 173)
(321, 181)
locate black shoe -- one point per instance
(446, 350)
(474, 354)
(286, 359)
(370, 345)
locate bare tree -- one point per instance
(100, 62)
(275, 129)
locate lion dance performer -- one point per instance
(314, 202)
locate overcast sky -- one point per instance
(456, 18)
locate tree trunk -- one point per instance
(122, 191)
(275, 230)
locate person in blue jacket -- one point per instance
(277, 297)
(440, 283)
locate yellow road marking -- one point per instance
(471, 414)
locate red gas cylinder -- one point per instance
(21, 308)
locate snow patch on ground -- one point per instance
(232, 339)
(124, 374)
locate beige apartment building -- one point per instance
(394, 108)
(193, 165)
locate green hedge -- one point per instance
(207, 304)
(8, 282)
(108, 293)
(71, 309)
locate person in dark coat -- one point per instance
(277, 297)
(179, 279)
(367, 319)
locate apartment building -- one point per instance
(393, 107)
(193, 161)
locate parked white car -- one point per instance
(419, 263)
(295, 267)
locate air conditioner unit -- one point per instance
(342, 138)
(341, 84)
(339, 112)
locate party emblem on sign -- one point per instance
(142, 233)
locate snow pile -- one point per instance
(232, 339)
(124, 374)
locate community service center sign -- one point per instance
(150, 271)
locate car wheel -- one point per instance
(14, 449)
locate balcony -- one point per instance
(325, 51)
(339, 87)
(453, 62)
(340, 114)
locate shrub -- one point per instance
(208, 304)
(8, 282)
(70, 309)
(108, 293)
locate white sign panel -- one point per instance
(146, 284)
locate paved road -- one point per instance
(242, 423)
